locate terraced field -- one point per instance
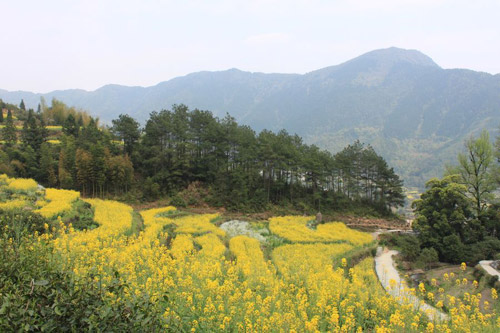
(183, 273)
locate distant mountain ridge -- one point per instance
(412, 111)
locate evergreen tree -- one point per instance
(9, 131)
(66, 165)
(47, 173)
(70, 126)
(30, 162)
(83, 166)
(22, 106)
(90, 135)
(32, 135)
(98, 167)
(127, 129)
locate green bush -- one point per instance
(17, 223)
(410, 247)
(486, 249)
(35, 295)
(453, 249)
(81, 216)
(150, 190)
(427, 257)
(177, 201)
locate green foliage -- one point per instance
(452, 249)
(58, 114)
(475, 170)
(47, 172)
(408, 245)
(178, 201)
(150, 189)
(9, 131)
(36, 295)
(427, 257)
(81, 216)
(198, 159)
(483, 250)
(16, 224)
(458, 215)
(70, 126)
(442, 218)
(126, 128)
(244, 171)
(33, 133)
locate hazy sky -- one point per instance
(48, 45)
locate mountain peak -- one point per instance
(393, 55)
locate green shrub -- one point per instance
(150, 190)
(178, 201)
(81, 216)
(35, 295)
(410, 247)
(486, 249)
(427, 257)
(453, 249)
(17, 223)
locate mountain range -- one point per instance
(413, 112)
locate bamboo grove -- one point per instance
(183, 150)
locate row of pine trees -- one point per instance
(236, 167)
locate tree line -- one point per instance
(185, 154)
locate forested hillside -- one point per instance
(413, 112)
(193, 158)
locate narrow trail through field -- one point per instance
(391, 281)
(485, 264)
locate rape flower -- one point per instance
(421, 287)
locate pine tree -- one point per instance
(22, 106)
(127, 129)
(70, 127)
(9, 131)
(66, 168)
(47, 166)
(32, 135)
(83, 165)
(98, 175)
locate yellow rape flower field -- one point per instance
(60, 201)
(21, 184)
(198, 279)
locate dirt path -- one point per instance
(485, 264)
(388, 275)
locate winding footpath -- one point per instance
(485, 264)
(391, 281)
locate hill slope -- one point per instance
(413, 112)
